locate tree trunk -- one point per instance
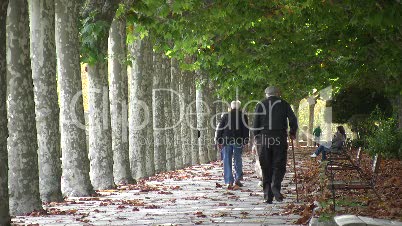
(140, 109)
(177, 105)
(148, 99)
(310, 137)
(185, 124)
(195, 154)
(327, 130)
(43, 58)
(99, 127)
(99, 132)
(118, 89)
(170, 155)
(158, 114)
(218, 113)
(211, 122)
(22, 142)
(296, 111)
(75, 164)
(202, 118)
(4, 207)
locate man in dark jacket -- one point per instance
(232, 134)
(272, 116)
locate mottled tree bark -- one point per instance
(169, 133)
(203, 112)
(195, 154)
(75, 164)
(310, 137)
(118, 89)
(212, 128)
(159, 114)
(177, 105)
(148, 99)
(4, 207)
(185, 124)
(99, 131)
(140, 108)
(99, 127)
(43, 58)
(211, 121)
(327, 128)
(22, 142)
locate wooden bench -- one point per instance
(350, 164)
(366, 182)
(342, 154)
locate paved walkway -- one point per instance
(186, 197)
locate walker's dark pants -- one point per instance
(272, 149)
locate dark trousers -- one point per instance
(273, 157)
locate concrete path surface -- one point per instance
(192, 196)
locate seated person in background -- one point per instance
(336, 145)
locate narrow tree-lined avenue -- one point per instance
(154, 78)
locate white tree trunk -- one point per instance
(327, 128)
(99, 132)
(43, 58)
(310, 137)
(75, 164)
(22, 142)
(148, 99)
(177, 105)
(169, 133)
(158, 114)
(4, 207)
(118, 88)
(185, 124)
(212, 126)
(195, 154)
(203, 113)
(211, 121)
(202, 124)
(141, 146)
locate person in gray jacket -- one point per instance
(270, 126)
(336, 144)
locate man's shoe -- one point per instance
(238, 183)
(268, 201)
(279, 197)
(230, 186)
(313, 155)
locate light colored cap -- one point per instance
(235, 104)
(272, 91)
